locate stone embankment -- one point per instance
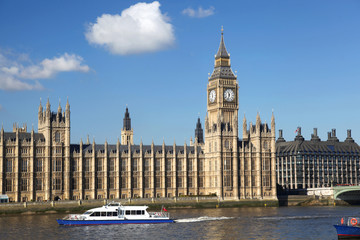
(309, 200)
(79, 206)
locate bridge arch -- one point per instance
(338, 191)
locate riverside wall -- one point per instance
(79, 206)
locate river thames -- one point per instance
(222, 223)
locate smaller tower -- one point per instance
(199, 136)
(127, 132)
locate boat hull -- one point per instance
(108, 222)
(347, 232)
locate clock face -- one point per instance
(229, 95)
(212, 96)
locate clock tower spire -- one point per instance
(221, 133)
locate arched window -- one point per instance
(57, 137)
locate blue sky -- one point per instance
(298, 58)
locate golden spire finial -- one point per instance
(222, 29)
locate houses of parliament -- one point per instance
(45, 165)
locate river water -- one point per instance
(222, 223)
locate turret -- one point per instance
(206, 123)
(199, 136)
(127, 131)
(273, 125)
(127, 120)
(59, 108)
(67, 109)
(244, 127)
(258, 124)
(40, 113)
(48, 111)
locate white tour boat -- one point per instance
(115, 213)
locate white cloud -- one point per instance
(10, 83)
(140, 28)
(199, 13)
(13, 73)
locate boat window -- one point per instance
(87, 213)
(95, 214)
(127, 212)
(103, 214)
(142, 212)
(109, 214)
(114, 214)
(133, 212)
(138, 212)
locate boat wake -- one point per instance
(201, 219)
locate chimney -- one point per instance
(298, 136)
(280, 139)
(349, 138)
(314, 136)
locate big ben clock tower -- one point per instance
(221, 127)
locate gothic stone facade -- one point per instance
(45, 166)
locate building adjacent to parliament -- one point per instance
(314, 163)
(46, 166)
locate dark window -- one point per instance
(123, 165)
(157, 168)
(127, 212)
(24, 183)
(39, 165)
(138, 212)
(112, 165)
(57, 184)
(87, 183)
(87, 165)
(111, 183)
(57, 137)
(114, 214)
(95, 214)
(133, 212)
(103, 214)
(9, 165)
(8, 184)
(24, 165)
(99, 166)
(38, 184)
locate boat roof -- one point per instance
(112, 207)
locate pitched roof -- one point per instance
(317, 147)
(222, 53)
